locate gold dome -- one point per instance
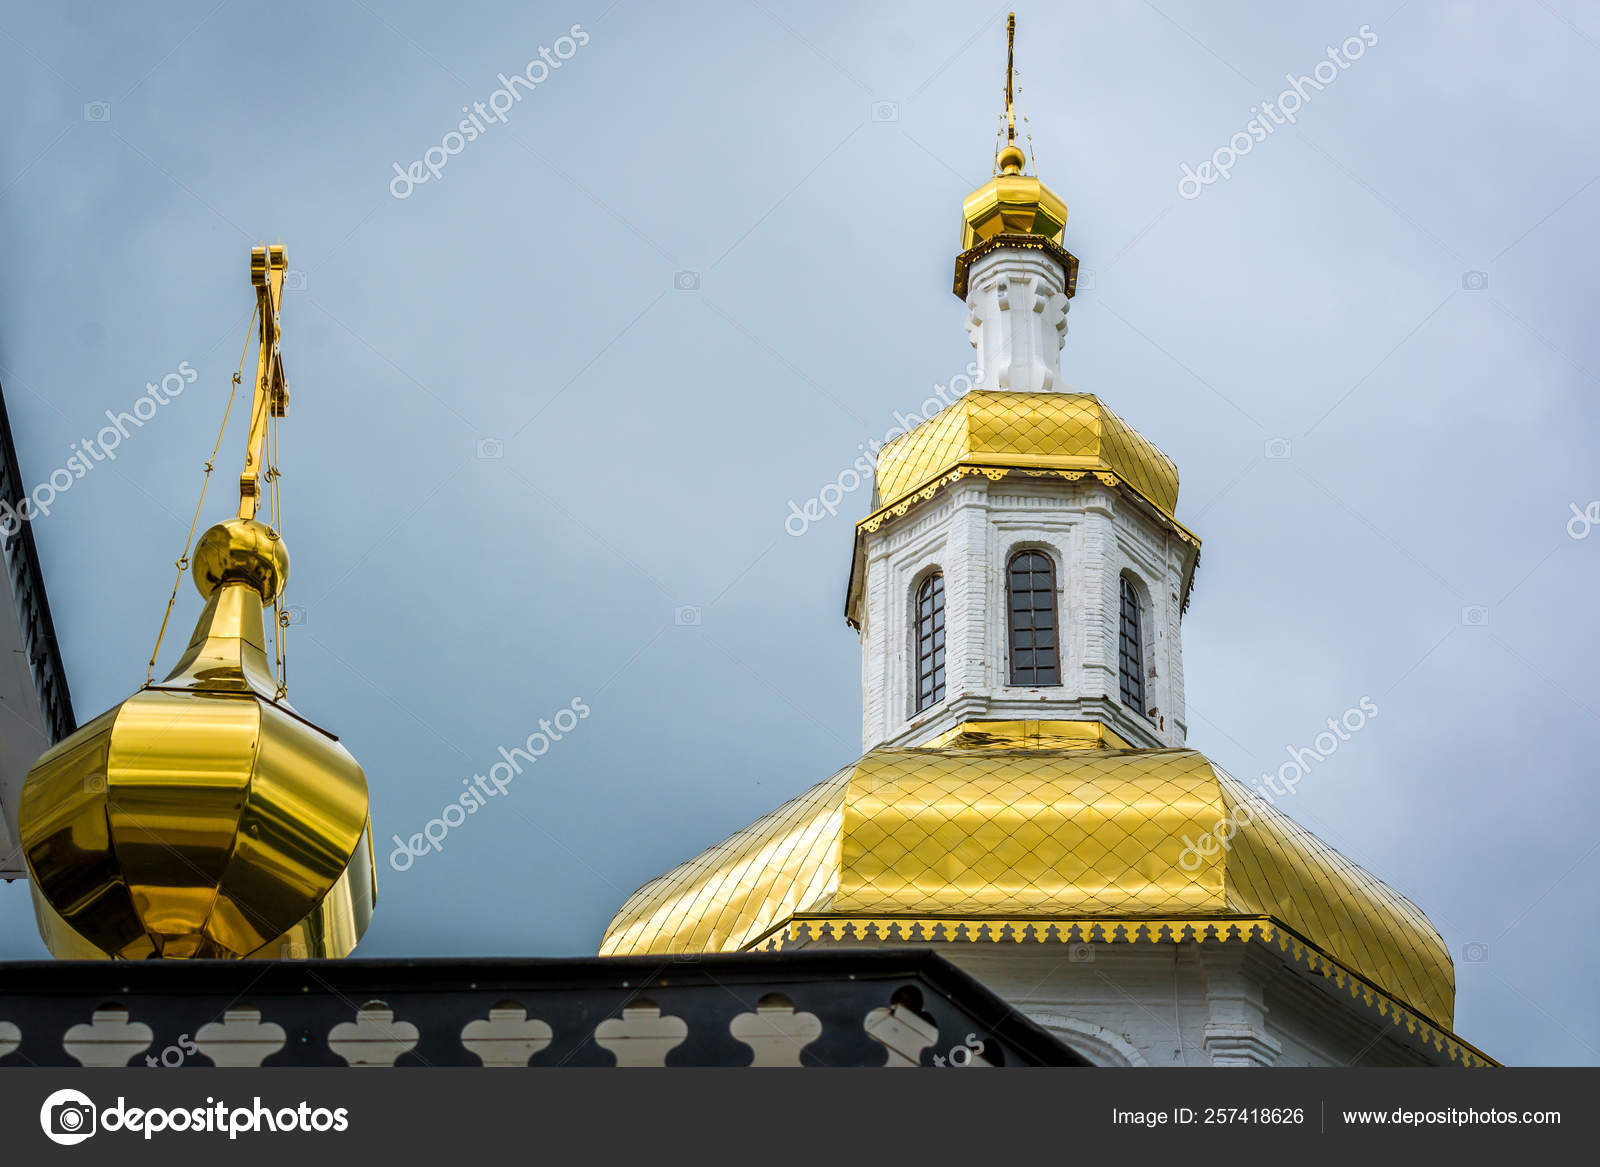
(202, 817)
(1012, 203)
(1013, 210)
(998, 428)
(1048, 831)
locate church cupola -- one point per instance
(1023, 561)
(204, 817)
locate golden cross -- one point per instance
(1011, 38)
(267, 267)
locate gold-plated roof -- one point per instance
(1028, 431)
(1034, 836)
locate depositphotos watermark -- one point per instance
(859, 472)
(68, 1117)
(1220, 837)
(1582, 521)
(1288, 104)
(89, 451)
(481, 115)
(963, 1055)
(480, 789)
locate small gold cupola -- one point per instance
(1012, 209)
(204, 817)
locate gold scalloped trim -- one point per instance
(1205, 931)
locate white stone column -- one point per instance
(1236, 977)
(967, 583)
(1017, 319)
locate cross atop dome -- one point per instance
(1010, 159)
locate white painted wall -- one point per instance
(1225, 1004)
(1017, 319)
(1094, 534)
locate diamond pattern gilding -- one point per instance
(1046, 431)
(1037, 835)
(731, 894)
(1279, 868)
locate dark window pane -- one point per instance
(1031, 601)
(930, 642)
(1131, 648)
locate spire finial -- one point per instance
(1011, 41)
(1010, 158)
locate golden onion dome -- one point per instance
(203, 816)
(1012, 203)
(1014, 210)
(1014, 831)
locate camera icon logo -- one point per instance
(94, 784)
(97, 111)
(1084, 282)
(688, 616)
(68, 1117)
(686, 281)
(1475, 616)
(885, 111)
(1081, 953)
(1475, 952)
(1474, 281)
(1278, 449)
(294, 281)
(490, 448)
(294, 614)
(293, 950)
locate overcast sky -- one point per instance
(806, 165)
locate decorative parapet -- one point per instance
(740, 1009)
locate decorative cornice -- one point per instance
(1018, 242)
(948, 477)
(994, 472)
(1203, 930)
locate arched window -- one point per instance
(1131, 653)
(930, 642)
(1031, 591)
